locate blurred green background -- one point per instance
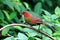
(11, 12)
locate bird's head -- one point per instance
(26, 14)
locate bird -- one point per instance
(33, 20)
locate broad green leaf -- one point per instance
(45, 38)
(34, 13)
(38, 8)
(57, 21)
(47, 13)
(57, 25)
(57, 11)
(21, 36)
(49, 2)
(56, 34)
(54, 16)
(6, 30)
(30, 32)
(17, 8)
(9, 38)
(1, 15)
(58, 2)
(17, 2)
(16, 19)
(13, 15)
(46, 18)
(36, 26)
(57, 38)
(22, 8)
(9, 4)
(47, 31)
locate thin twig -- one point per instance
(23, 25)
(13, 25)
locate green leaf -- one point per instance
(34, 13)
(30, 32)
(17, 19)
(9, 38)
(58, 2)
(37, 38)
(56, 34)
(48, 31)
(36, 27)
(45, 38)
(57, 21)
(4, 22)
(49, 2)
(21, 36)
(1, 15)
(47, 13)
(31, 38)
(57, 38)
(54, 16)
(17, 8)
(57, 25)
(9, 4)
(57, 11)
(5, 31)
(6, 14)
(13, 15)
(27, 6)
(38, 8)
(18, 28)
(46, 18)
(17, 2)
(23, 19)
(22, 8)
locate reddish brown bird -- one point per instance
(31, 19)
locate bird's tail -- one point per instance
(50, 27)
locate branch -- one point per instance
(23, 25)
(13, 25)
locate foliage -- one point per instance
(11, 12)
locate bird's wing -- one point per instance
(36, 20)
